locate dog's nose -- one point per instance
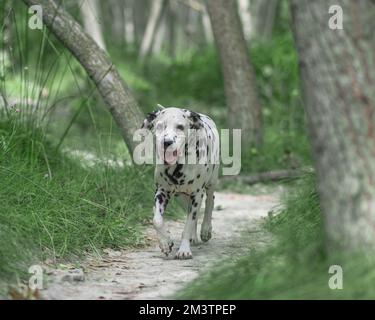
(167, 143)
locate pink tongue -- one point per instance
(169, 156)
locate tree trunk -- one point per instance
(207, 29)
(338, 80)
(141, 10)
(129, 28)
(244, 11)
(7, 54)
(266, 17)
(244, 110)
(172, 26)
(91, 21)
(159, 37)
(113, 90)
(153, 22)
(115, 20)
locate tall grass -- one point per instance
(294, 267)
(54, 205)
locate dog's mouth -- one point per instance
(170, 156)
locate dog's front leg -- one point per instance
(161, 201)
(184, 251)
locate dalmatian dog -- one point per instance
(187, 146)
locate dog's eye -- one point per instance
(180, 127)
(159, 126)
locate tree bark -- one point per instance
(172, 27)
(244, 11)
(244, 110)
(6, 37)
(129, 28)
(266, 17)
(337, 70)
(91, 21)
(153, 22)
(115, 93)
(160, 34)
(207, 29)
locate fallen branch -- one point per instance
(274, 175)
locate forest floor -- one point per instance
(144, 273)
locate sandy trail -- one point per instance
(145, 274)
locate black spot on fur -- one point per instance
(198, 176)
(149, 118)
(179, 174)
(191, 181)
(195, 119)
(159, 197)
(171, 177)
(177, 171)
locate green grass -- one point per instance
(52, 207)
(295, 267)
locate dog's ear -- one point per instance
(148, 123)
(194, 118)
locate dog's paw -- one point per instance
(166, 246)
(206, 233)
(183, 254)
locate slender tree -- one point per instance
(129, 28)
(156, 14)
(337, 68)
(91, 21)
(117, 96)
(266, 17)
(244, 11)
(244, 110)
(172, 26)
(207, 29)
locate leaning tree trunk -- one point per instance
(91, 21)
(338, 81)
(115, 93)
(244, 110)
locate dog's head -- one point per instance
(170, 127)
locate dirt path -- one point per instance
(145, 274)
